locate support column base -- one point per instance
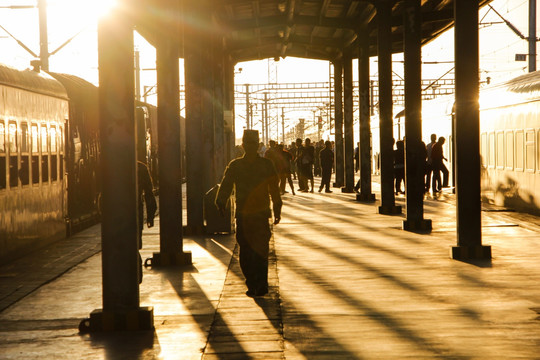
(480, 252)
(193, 230)
(169, 259)
(418, 225)
(141, 319)
(389, 210)
(363, 197)
(347, 190)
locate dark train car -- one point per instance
(82, 152)
(33, 116)
(83, 149)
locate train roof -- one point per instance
(76, 87)
(30, 80)
(524, 88)
(527, 83)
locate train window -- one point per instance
(54, 156)
(44, 155)
(483, 148)
(25, 138)
(35, 139)
(35, 154)
(491, 154)
(519, 150)
(538, 150)
(529, 150)
(24, 171)
(52, 136)
(44, 142)
(500, 150)
(13, 156)
(2, 156)
(12, 138)
(2, 172)
(510, 150)
(2, 137)
(61, 156)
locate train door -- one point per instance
(3, 165)
(63, 173)
(24, 171)
(141, 115)
(13, 150)
(34, 153)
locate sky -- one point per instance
(78, 19)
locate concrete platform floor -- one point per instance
(346, 283)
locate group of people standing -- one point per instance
(301, 160)
(434, 166)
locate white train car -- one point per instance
(510, 143)
(509, 140)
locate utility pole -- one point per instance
(266, 122)
(137, 75)
(283, 125)
(248, 107)
(43, 38)
(532, 35)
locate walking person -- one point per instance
(399, 166)
(429, 163)
(284, 169)
(145, 190)
(326, 159)
(293, 152)
(302, 181)
(308, 157)
(255, 181)
(437, 158)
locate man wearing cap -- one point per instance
(255, 180)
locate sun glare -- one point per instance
(92, 9)
(102, 7)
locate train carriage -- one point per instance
(33, 114)
(509, 140)
(510, 143)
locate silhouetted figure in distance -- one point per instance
(429, 163)
(145, 190)
(326, 159)
(437, 158)
(399, 165)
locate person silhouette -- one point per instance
(255, 180)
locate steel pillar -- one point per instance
(228, 104)
(414, 147)
(467, 133)
(219, 117)
(169, 158)
(384, 46)
(119, 230)
(338, 131)
(364, 118)
(348, 122)
(199, 111)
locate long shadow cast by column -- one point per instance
(390, 322)
(372, 269)
(127, 345)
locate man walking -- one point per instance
(326, 158)
(255, 180)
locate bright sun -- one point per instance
(92, 9)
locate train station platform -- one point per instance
(345, 283)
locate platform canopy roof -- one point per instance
(260, 29)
